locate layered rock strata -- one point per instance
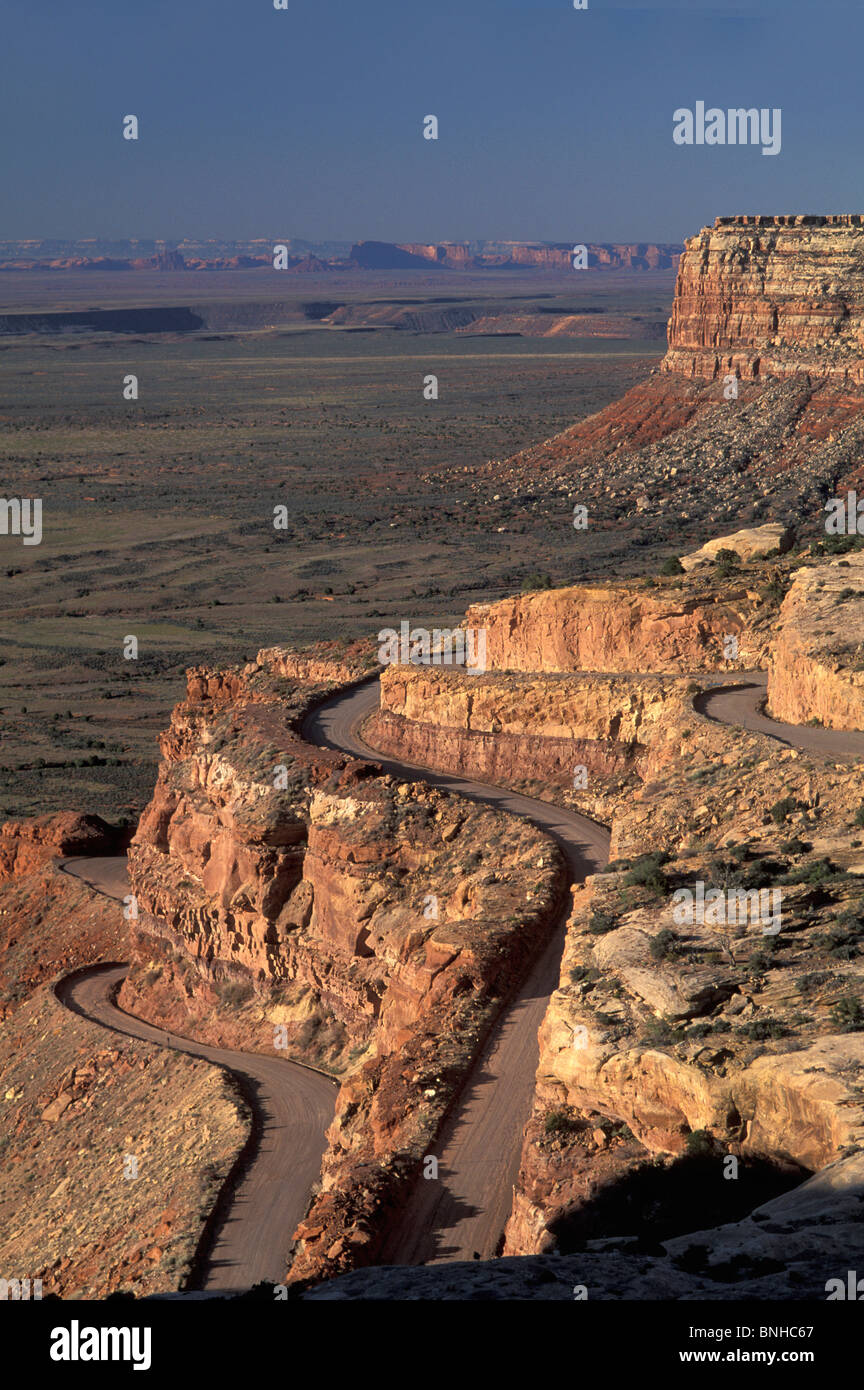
(373, 926)
(614, 628)
(520, 729)
(771, 296)
(816, 664)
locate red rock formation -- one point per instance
(771, 296)
(30, 844)
(508, 729)
(307, 897)
(610, 628)
(816, 664)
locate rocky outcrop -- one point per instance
(613, 628)
(511, 728)
(679, 1031)
(816, 663)
(788, 1249)
(375, 927)
(319, 666)
(751, 544)
(771, 296)
(32, 844)
(439, 987)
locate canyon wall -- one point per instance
(378, 926)
(771, 296)
(641, 1052)
(816, 663)
(32, 844)
(613, 628)
(448, 944)
(512, 728)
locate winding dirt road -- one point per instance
(292, 1107)
(740, 704)
(463, 1213)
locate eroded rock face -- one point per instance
(816, 664)
(378, 925)
(30, 844)
(771, 296)
(674, 1029)
(611, 628)
(512, 728)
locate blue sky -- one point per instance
(554, 124)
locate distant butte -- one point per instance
(771, 296)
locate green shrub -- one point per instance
(782, 809)
(774, 590)
(794, 846)
(232, 993)
(841, 943)
(858, 818)
(761, 962)
(839, 545)
(727, 562)
(646, 872)
(535, 581)
(557, 1122)
(704, 1027)
(660, 1030)
(818, 872)
(672, 565)
(700, 1144)
(588, 973)
(761, 1029)
(664, 945)
(809, 983)
(601, 922)
(848, 1014)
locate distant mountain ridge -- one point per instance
(307, 257)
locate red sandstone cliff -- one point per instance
(378, 925)
(613, 628)
(32, 844)
(771, 296)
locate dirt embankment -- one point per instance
(113, 1151)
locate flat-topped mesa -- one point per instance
(801, 219)
(763, 296)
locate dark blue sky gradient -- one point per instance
(555, 124)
